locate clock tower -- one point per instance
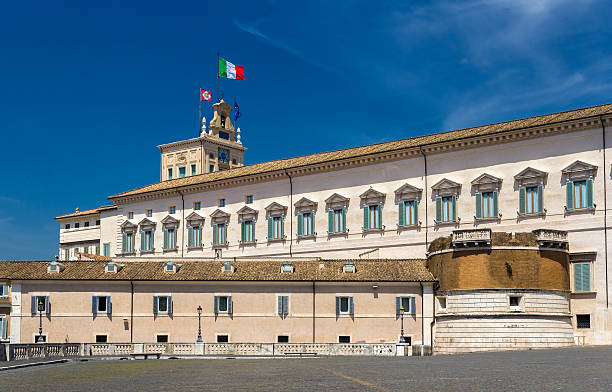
(218, 149)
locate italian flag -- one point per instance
(229, 70)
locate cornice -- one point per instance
(466, 143)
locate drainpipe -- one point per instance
(422, 320)
(182, 224)
(426, 215)
(603, 138)
(291, 213)
(313, 312)
(132, 312)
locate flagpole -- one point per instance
(218, 76)
(200, 114)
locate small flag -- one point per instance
(237, 114)
(206, 95)
(229, 70)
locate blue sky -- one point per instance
(88, 91)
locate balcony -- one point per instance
(471, 237)
(551, 238)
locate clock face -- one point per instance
(223, 155)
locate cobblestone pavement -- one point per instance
(575, 369)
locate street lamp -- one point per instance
(402, 337)
(199, 340)
(41, 308)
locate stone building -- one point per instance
(386, 201)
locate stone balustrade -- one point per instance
(551, 238)
(471, 237)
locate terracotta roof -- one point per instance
(413, 142)
(409, 270)
(92, 211)
(92, 257)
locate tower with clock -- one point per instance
(217, 148)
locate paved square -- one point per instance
(576, 369)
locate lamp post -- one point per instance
(402, 337)
(41, 309)
(199, 340)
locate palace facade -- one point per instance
(535, 178)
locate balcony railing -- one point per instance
(551, 238)
(471, 237)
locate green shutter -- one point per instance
(243, 232)
(282, 227)
(578, 277)
(190, 236)
(165, 239)
(343, 229)
(98, 250)
(455, 208)
(438, 209)
(586, 276)
(330, 221)
(401, 221)
(589, 193)
(215, 234)
(270, 228)
(300, 224)
(415, 211)
(495, 210)
(366, 221)
(522, 200)
(380, 216)
(123, 242)
(142, 241)
(569, 195)
(540, 198)
(478, 205)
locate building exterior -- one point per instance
(80, 233)
(388, 201)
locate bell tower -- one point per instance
(218, 149)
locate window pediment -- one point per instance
(408, 192)
(336, 201)
(531, 176)
(219, 216)
(579, 170)
(305, 205)
(446, 187)
(275, 209)
(170, 221)
(128, 226)
(372, 197)
(486, 182)
(146, 223)
(194, 217)
(247, 213)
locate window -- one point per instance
(172, 210)
(197, 205)
(445, 209)
(86, 249)
(221, 202)
(162, 338)
(223, 304)
(249, 199)
(182, 172)
(162, 304)
(67, 226)
(77, 225)
(3, 327)
(211, 156)
(486, 205)
(66, 254)
(372, 218)
(130, 215)
(348, 267)
(282, 339)
(146, 240)
(582, 277)
(107, 250)
(442, 303)
(211, 168)
(276, 223)
(170, 173)
(98, 222)
(228, 267)
(344, 305)
(111, 267)
(514, 302)
(87, 224)
(337, 220)
(222, 338)
(4, 290)
(101, 338)
(193, 170)
(283, 305)
(408, 213)
(40, 304)
(128, 242)
(305, 224)
(344, 339)
(533, 201)
(170, 238)
(219, 234)
(100, 304)
(247, 231)
(149, 213)
(580, 194)
(583, 321)
(408, 304)
(222, 121)
(287, 267)
(194, 236)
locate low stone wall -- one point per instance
(31, 351)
